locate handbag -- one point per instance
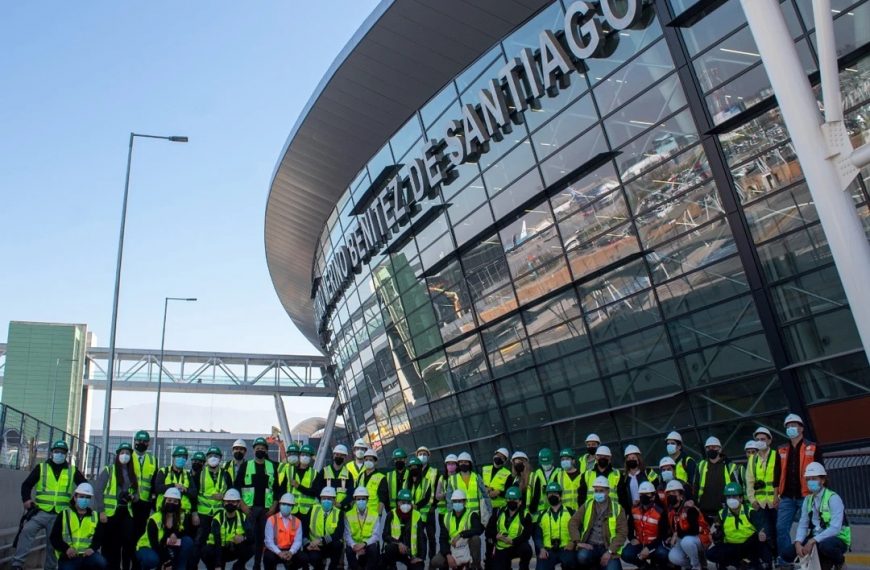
(809, 562)
(462, 552)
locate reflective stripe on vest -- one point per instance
(322, 524)
(248, 489)
(646, 524)
(570, 489)
(807, 457)
(361, 529)
(54, 494)
(845, 533)
(458, 525)
(765, 475)
(229, 527)
(702, 469)
(681, 472)
(555, 526)
(355, 469)
(418, 492)
(304, 502)
(472, 499)
(110, 492)
(285, 530)
(341, 481)
(612, 478)
(210, 484)
(393, 482)
(512, 530)
(374, 481)
(738, 528)
(396, 529)
(78, 533)
(158, 521)
(144, 473)
(496, 482)
(611, 520)
(172, 479)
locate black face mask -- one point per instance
(415, 471)
(712, 453)
(260, 454)
(497, 461)
(238, 455)
(464, 467)
(400, 465)
(646, 499)
(554, 500)
(631, 464)
(591, 450)
(513, 505)
(230, 508)
(196, 467)
(171, 507)
(141, 447)
(338, 460)
(673, 500)
(603, 462)
(519, 467)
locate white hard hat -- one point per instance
(361, 492)
(793, 418)
(712, 442)
(287, 499)
(465, 456)
(601, 482)
(240, 443)
(361, 443)
(172, 493)
(85, 489)
(751, 444)
(667, 462)
(629, 449)
(232, 495)
(503, 451)
(342, 449)
(423, 449)
(593, 437)
(457, 495)
(646, 487)
(674, 435)
(519, 455)
(371, 453)
(762, 430)
(815, 469)
(603, 450)
(674, 485)
(328, 492)
(451, 458)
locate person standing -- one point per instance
(604, 468)
(375, 483)
(357, 466)
(714, 473)
(239, 450)
(52, 483)
(762, 484)
(738, 538)
(569, 478)
(212, 485)
(257, 481)
(405, 534)
(552, 533)
(691, 533)
(586, 462)
(337, 475)
(471, 485)
(546, 467)
(303, 485)
(164, 544)
(509, 531)
(116, 496)
(362, 532)
(794, 458)
(326, 531)
(229, 538)
(283, 537)
(495, 478)
(668, 472)
(531, 487)
(686, 466)
(599, 528)
(176, 476)
(145, 467)
(397, 477)
(433, 478)
(634, 474)
(77, 534)
(442, 493)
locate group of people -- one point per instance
(582, 512)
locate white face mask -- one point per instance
(424, 459)
(733, 503)
(405, 508)
(292, 459)
(213, 461)
(304, 460)
(124, 458)
(762, 445)
(369, 464)
(667, 475)
(359, 453)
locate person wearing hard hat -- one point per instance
(750, 449)
(714, 473)
(794, 458)
(229, 537)
(618, 490)
(197, 462)
(509, 531)
(239, 450)
(686, 465)
(212, 485)
(164, 544)
(647, 531)
(691, 533)
(569, 478)
(375, 483)
(599, 528)
(362, 532)
(422, 492)
(823, 522)
(668, 473)
(357, 466)
(495, 477)
(405, 533)
(145, 467)
(471, 485)
(763, 472)
(287, 468)
(552, 535)
(546, 464)
(303, 485)
(114, 498)
(539, 478)
(633, 475)
(433, 477)
(77, 534)
(586, 462)
(459, 544)
(738, 537)
(397, 477)
(442, 490)
(325, 532)
(284, 537)
(51, 483)
(531, 487)
(257, 481)
(176, 476)
(337, 475)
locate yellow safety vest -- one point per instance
(393, 481)
(230, 467)
(231, 527)
(210, 484)
(612, 478)
(248, 489)
(54, 494)
(555, 525)
(361, 529)
(110, 492)
(158, 520)
(570, 489)
(304, 502)
(763, 471)
(417, 493)
(615, 509)
(144, 473)
(371, 485)
(845, 533)
(702, 480)
(78, 532)
(342, 481)
(586, 463)
(355, 469)
(680, 469)
(323, 524)
(170, 480)
(456, 525)
(512, 530)
(737, 528)
(497, 482)
(472, 498)
(396, 529)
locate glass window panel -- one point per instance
(808, 295)
(406, 136)
(781, 213)
(507, 348)
(614, 285)
(553, 311)
(451, 301)
(568, 371)
(525, 240)
(571, 433)
(715, 324)
(442, 247)
(726, 361)
(468, 363)
(633, 351)
(379, 161)
(543, 279)
(835, 379)
(518, 387)
(682, 214)
(704, 287)
(765, 131)
(656, 418)
(573, 155)
(607, 249)
(850, 28)
(473, 225)
(712, 27)
(748, 398)
(465, 202)
(770, 171)
(559, 341)
(531, 412)
(671, 178)
(518, 193)
(584, 191)
(630, 43)
(426, 340)
(438, 104)
(485, 423)
(855, 82)
(623, 317)
(740, 94)
(644, 383)
(647, 68)
(446, 413)
(657, 144)
(471, 73)
(497, 303)
(436, 376)
(594, 219)
(564, 127)
(526, 36)
(428, 234)
(795, 253)
(704, 246)
(509, 168)
(657, 102)
(577, 399)
(822, 335)
(470, 94)
(734, 54)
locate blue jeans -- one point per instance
(687, 552)
(93, 562)
(788, 510)
(658, 556)
(149, 559)
(592, 558)
(566, 558)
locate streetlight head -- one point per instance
(178, 139)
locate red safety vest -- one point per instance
(807, 457)
(284, 535)
(680, 519)
(646, 524)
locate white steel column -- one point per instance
(324, 451)
(839, 218)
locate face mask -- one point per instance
(141, 447)
(415, 471)
(673, 500)
(519, 467)
(400, 465)
(631, 464)
(603, 462)
(733, 504)
(260, 454)
(667, 475)
(405, 508)
(214, 461)
(286, 510)
(124, 458)
(293, 459)
(231, 507)
(58, 458)
(590, 450)
(458, 507)
(451, 468)
(554, 500)
(814, 486)
(762, 445)
(305, 460)
(424, 459)
(369, 465)
(546, 464)
(359, 453)
(497, 461)
(599, 496)
(791, 432)
(197, 467)
(238, 455)
(672, 448)
(171, 507)
(566, 464)
(464, 467)
(712, 453)
(338, 460)
(513, 505)
(180, 462)
(326, 504)
(83, 502)
(361, 504)
(646, 499)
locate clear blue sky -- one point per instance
(75, 79)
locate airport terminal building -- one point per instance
(517, 222)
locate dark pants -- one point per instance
(392, 555)
(503, 558)
(93, 562)
(370, 559)
(240, 553)
(200, 537)
(832, 551)
(141, 512)
(149, 559)
(724, 554)
(257, 518)
(332, 552)
(767, 518)
(119, 544)
(592, 559)
(658, 556)
(558, 556)
(271, 561)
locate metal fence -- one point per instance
(26, 441)
(848, 475)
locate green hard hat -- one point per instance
(554, 487)
(60, 444)
(293, 448)
(179, 451)
(399, 453)
(142, 435)
(404, 495)
(415, 462)
(513, 494)
(567, 452)
(198, 456)
(124, 446)
(215, 450)
(261, 441)
(733, 490)
(545, 455)
(306, 449)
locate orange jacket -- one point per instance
(807, 457)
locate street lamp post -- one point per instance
(110, 375)
(160, 366)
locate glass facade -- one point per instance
(680, 281)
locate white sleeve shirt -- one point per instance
(269, 537)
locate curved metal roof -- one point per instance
(404, 52)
